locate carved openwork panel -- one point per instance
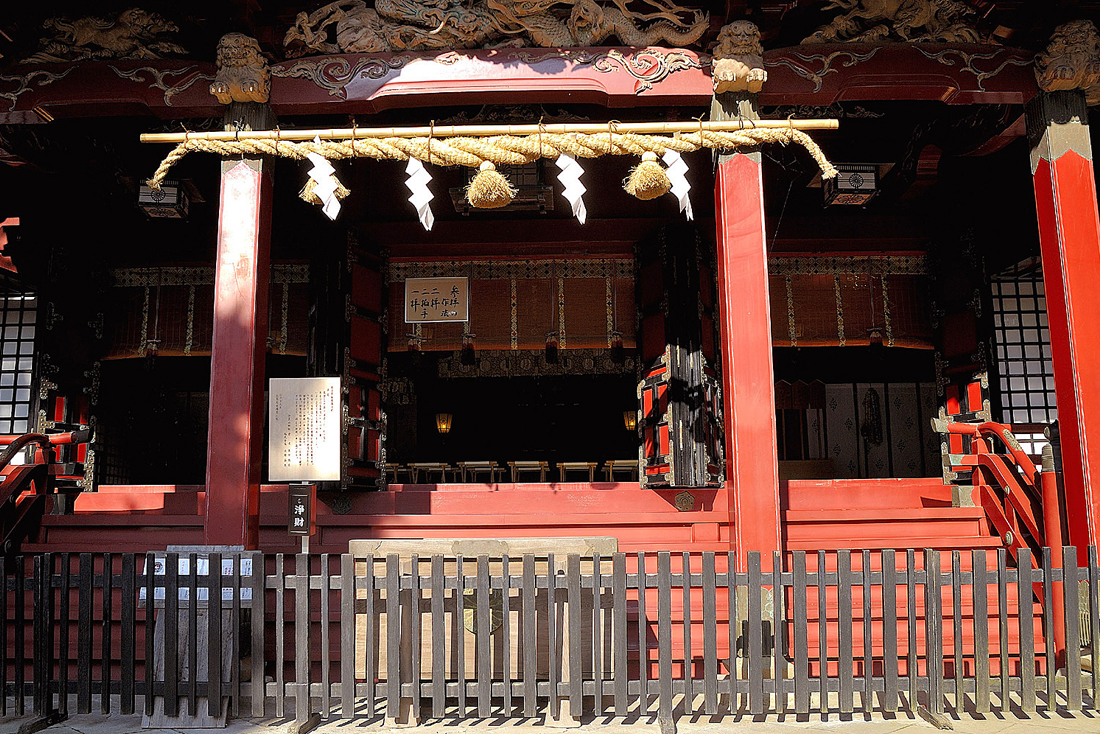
(349, 26)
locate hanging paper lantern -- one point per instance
(647, 180)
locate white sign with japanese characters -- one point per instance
(431, 300)
(202, 569)
(304, 430)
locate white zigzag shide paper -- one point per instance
(574, 190)
(325, 184)
(421, 196)
(680, 186)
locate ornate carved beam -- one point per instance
(364, 84)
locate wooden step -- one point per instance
(859, 494)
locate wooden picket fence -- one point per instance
(626, 634)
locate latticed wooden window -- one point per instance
(16, 361)
(1026, 372)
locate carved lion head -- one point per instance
(1074, 37)
(739, 38)
(237, 49)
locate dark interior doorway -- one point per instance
(548, 418)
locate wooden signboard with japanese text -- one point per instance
(434, 300)
(305, 430)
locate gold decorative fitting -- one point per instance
(685, 502)
(182, 79)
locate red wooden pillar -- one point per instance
(237, 355)
(1069, 238)
(748, 385)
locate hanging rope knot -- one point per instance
(489, 189)
(648, 179)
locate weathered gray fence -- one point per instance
(654, 633)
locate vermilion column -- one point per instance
(237, 356)
(752, 478)
(1069, 237)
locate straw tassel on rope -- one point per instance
(647, 180)
(307, 195)
(490, 189)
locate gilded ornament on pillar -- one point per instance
(243, 74)
(879, 21)
(738, 64)
(1071, 60)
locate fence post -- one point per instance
(1052, 529)
(1071, 609)
(39, 643)
(933, 633)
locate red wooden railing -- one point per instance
(24, 487)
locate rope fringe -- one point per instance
(499, 150)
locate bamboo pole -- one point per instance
(445, 131)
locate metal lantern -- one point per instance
(630, 419)
(854, 185)
(443, 423)
(169, 202)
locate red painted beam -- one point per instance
(237, 356)
(612, 77)
(748, 384)
(1069, 237)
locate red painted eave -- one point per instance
(616, 77)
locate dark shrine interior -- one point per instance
(949, 171)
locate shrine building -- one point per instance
(878, 251)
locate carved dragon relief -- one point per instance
(133, 34)
(878, 21)
(349, 26)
